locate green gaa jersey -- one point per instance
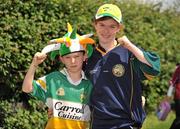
(68, 100)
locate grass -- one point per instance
(152, 121)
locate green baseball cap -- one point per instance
(110, 10)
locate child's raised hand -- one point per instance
(38, 58)
(123, 41)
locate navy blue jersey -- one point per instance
(116, 97)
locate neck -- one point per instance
(109, 46)
(75, 76)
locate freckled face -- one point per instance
(106, 30)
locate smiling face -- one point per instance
(106, 29)
(74, 61)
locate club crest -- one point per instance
(82, 97)
(60, 92)
(118, 70)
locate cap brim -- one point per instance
(107, 15)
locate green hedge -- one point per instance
(27, 25)
(17, 117)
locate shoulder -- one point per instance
(54, 74)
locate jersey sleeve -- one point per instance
(145, 71)
(40, 89)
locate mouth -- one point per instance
(73, 66)
(105, 36)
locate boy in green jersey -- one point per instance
(66, 91)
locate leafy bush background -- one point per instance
(27, 25)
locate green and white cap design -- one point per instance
(70, 42)
(109, 10)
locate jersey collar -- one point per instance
(100, 49)
(64, 71)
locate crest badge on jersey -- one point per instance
(82, 97)
(60, 92)
(118, 70)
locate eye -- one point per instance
(77, 56)
(113, 26)
(101, 25)
(67, 57)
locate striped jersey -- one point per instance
(68, 100)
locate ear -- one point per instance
(121, 27)
(85, 57)
(61, 59)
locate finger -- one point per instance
(40, 56)
(121, 41)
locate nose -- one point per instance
(105, 29)
(73, 60)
